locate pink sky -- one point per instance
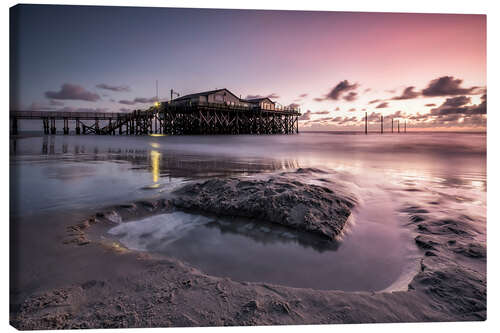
(295, 56)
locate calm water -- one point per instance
(57, 174)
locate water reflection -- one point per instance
(161, 164)
(268, 234)
(155, 165)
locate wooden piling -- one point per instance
(366, 122)
(14, 126)
(398, 126)
(65, 126)
(381, 124)
(192, 119)
(392, 125)
(53, 126)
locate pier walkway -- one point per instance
(190, 119)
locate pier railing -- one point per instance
(170, 119)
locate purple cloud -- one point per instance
(459, 105)
(73, 92)
(382, 105)
(408, 93)
(351, 96)
(138, 100)
(270, 96)
(113, 88)
(340, 88)
(306, 115)
(448, 86)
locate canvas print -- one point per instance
(221, 167)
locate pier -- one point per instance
(169, 119)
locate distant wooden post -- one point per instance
(366, 122)
(53, 126)
(381, 124)
(405, 125)
(398, 126)
(65, 126)
(77, 127)
(45, 126)
(392, 125)
(14, 126)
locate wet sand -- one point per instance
(143, 290)
(64, 274)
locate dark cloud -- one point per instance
(306, 115)
(408, 93)
(383, 105)
(460, 105)
(340, 88)
(321, 120)
(367, 90)
(457, 101)
(351, 96)
(430, 104)
(57, 103)
(397, 114)
(344, 120)
(448, 86)
(374, 101)
(72, 92)
(303, 95)
(392, 91)
(270, 96)
(374, 116)
(419, 117)
(321, 112)
(113, 88)
(352, 109)
(138, 100)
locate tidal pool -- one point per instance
(368, 258)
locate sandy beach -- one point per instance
(74, 272)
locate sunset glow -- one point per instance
(429, 69)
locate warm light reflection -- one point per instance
(155, 164)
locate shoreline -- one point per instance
(167, 292)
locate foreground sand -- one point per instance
(115, 287)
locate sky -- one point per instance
(426, 69)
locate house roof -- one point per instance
(203, 93)
(257, 100)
